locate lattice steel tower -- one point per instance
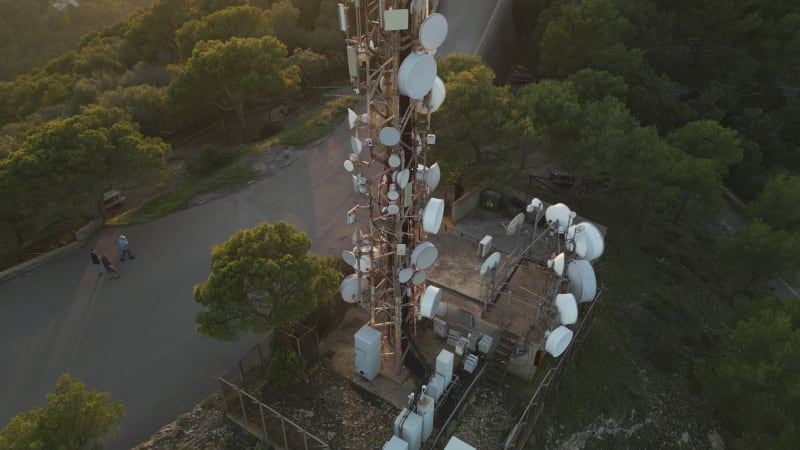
(390, 48)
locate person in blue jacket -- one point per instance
(124, 248)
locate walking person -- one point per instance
(124, 248)
(110, 269)
(96, 261)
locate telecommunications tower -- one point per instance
(390, 53)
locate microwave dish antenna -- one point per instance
(587, 240)
(424, 255)
(515, 224)
(430, 301)
(490, 264)
(419, 277)
(434, 101)
(433, 31)
(567, 308)
(559, 215)
(558, 340)
(557, 264)
(432, 215)
(389, 136)
(349, 288)
(354, 119)
(582, 280)
(535, 205)
(416, 75)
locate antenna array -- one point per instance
(390, 48)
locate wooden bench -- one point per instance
(112, 198)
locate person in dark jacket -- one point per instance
(96, 262)
(110, 269)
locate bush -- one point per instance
(210, 158)
(285, 367)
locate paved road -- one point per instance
(135, 337)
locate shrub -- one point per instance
(285, 367)
(210, 158)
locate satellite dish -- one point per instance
(389, 136)
(558, 340)
(416, 75)
(567, 309)
(442, 309)
(559, 214)
(394, 160)
(535, 205)
(349, 257)
(405, 274)
(516, 222)
(424, 255)
(429, 305)
(582, 280)
(349, 288)
(356, 145)
(432, 216)
(348, 165)
(401, 178)
(490, 263)
(419, 277)
(432, 176)
(364, 262)
(433, 31)
(393, 209)
(557, 264)
(393, 195)
(354, 119)
(588, 240)
(431, 103)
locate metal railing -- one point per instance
(521, 431)
(264, 422)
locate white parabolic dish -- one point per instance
(435, 100)
(405, 274)
(389, 136)
(394, 161)
(401, 178)
(349, 257)
(419, 277)
(349, 288)
(432, 217)
(416, 75)
(567, 308)
(432, 176)
(433, 31)
(558, 341)
(348, 165)
(356, 145)
(558, 213)
(430, 301)
(589, 243)
(582, 280)
(490, 263)
(424, 255)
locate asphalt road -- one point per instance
(135, 336)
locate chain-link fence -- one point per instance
(249, 375)
(518, 437)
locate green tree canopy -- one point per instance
(754, 381)
(228, 75)
(475, 114)
(707, 139)
(586, 34)
(284, 17)
(74, 418)
(236, 21)
(314, 68)
(65, 165)
(758, 252)
(262, 278)
(779, 203)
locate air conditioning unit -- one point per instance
(485, 246)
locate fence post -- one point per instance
(241, 401)
(283, 428)
(263, 422)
